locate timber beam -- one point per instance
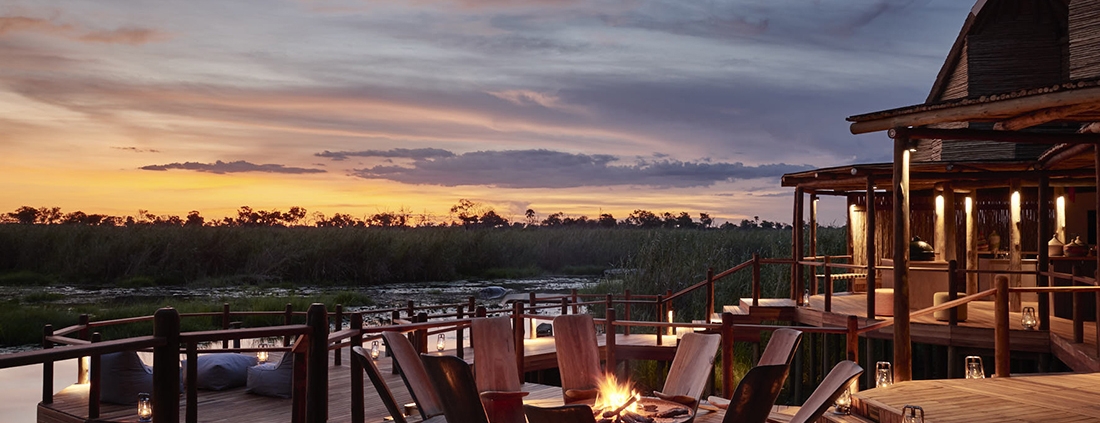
(999, 136)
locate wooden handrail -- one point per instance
(929, 310)
(27, 358)
(261, 332)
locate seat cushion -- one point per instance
(945, 315)
(218, 372)
(123, 377)
(272, 379)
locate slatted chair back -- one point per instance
(578, 356)
(827, 392)
(494, 354)
(756, 394)
(691, 367)
(379, 384)
(574, 413)
(414, 375)
(454, 383)
(781, 347)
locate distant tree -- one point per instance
(705, 220)
(75, 218)
(643, 219)
(607, 220)
(684, 221)
(194, 219)
(466, 211)
(532, 218)
(555, 219)
(493, 220)
(49, 216)
(26, 215)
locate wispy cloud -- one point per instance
(553, 169)
(239, 166)
(396, 153)
(137, 150)
(122, 35)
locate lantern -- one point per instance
(144, 408)
(844, 403)
(261, 355)
(374, 350)
(440, 343)
(884, 374)
(1028, 319)
(974, 367)
(912, 414)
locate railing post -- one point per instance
(1078, 310)
(481, 312)
(410, 308)
(357, 413)
(533, 310)
(517, 336)
(953, 292)
(394, 368)
(658, 305)
(317, 359)
(727, 355)
(471, 304)
(574, 300)
(853, 338)
(710, 294)
(828, 285)
(755, 280)
(225, 323)
(192, 387)
(339, 325)
(564, 306)
(626, 311)
(288, 317)
(422, 334)
(236, 341)
(460, 350)
(612, 365)
(1000, 330)
(81, 372)
(47, 367)
(95, 381)
(166, 366)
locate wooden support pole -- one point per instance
(317, 359)
(288, 318)
(1015, 255)
(1078, 312)
(626, 312)
(612, 365)
(95, 382)
(813, 225)
(532, 309)
(828, 286)
(852, 349)
(1044, 255)
(727, 355)
(339, 325)
(166, 366)
(358, 415)
(81, 372)
(756, 288)
(225, 323)
(953, 291)
(460, 348)
(710, 295)
(564, 306)
(192, 386)
(1001, 328)
(47, 367)
(517, 336)
(481, 312)
(573, 296)
(657, 305)
(903, 348)
(872, 254)
(410, 308)
(972, 241)
(422, 334)
(950, 228)
(1096, 158)
(797, 284)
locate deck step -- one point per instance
(732, 309)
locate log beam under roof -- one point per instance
(1000, 136)
(1040, 117)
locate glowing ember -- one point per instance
(613, 395)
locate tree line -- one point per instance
(465, 213)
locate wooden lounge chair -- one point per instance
(781, 347)
(578, 356)
(379, 384)
(496, 372)
(825, 395)
(574, 413)
(415, 377)
(692, 366)
(755, 394)
(454, 383)
(780, 350)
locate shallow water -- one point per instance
(21, 387)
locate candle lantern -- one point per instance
(144, 408)
(912, 414)
(974, 367)
(1028, 319)
(374, 350)
(806, 298)
(671, 330)
(440, 343)
(844, 402)
(261, 355)
(884, 374)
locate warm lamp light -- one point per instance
(974, 367)
(374, 350)
(969, 205)
(440, 343)
(884, 374)
(261, 355)
(85, 369)
(671, 330)
(844, 403)
(144, 408)
(912, 414)
(1028, 319)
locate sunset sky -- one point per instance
(368, 106)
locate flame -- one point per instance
(612, 395)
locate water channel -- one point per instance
(20, 388)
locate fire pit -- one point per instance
(620, 403)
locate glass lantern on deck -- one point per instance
(974, 367)
(844, 402)
(884, 374)
(1028, 319)
(912, 414)
(144, 408)
(374, 350)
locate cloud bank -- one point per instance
(239, 166)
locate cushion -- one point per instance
(272, 379)
(123, 377)
(945, 315)
(218, 372)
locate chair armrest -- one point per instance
(503, 395)
(718, 402)
(574, 395)
(682, 399)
